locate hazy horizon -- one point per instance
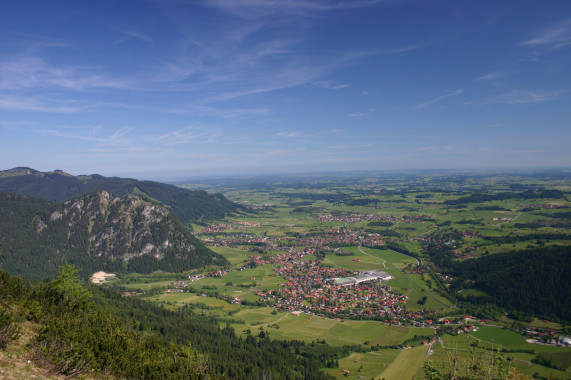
(177, 178)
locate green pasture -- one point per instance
(236, 256)
(396, 259)
(348, 262)
(499, 336)
(561, 359)
(413, 229)
(530, 370)
(406, 365)
(370, 259)
(367, 365)
(257, 275)
(336, 332)
(416, 289)
(254, 317)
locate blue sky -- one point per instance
(158, 89)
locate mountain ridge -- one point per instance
(189, 206)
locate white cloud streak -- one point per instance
(350, 146)
(330, 86)
(260, 8)
(113, 139)
(553, 37)
(21, 103)
(439, 98)
(185, 135)
(521, 97)
(287, 134)
(32, 72)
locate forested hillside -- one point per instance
(188, 206)
(254, 357)
(532, 282)
(96, 331)
(97, 231)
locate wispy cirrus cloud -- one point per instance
(259, 8)
(491, 76)
(132, 35)
(185, 135)
(329, 85)
(24, 72)
(553, 37)
(438, 99)
(240, 113)
(24, 103)
(350, 146)
(520, 97)
(287, 134)
(232, 61)
(115, 138)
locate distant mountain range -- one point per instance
(57, 186)
(96, 231)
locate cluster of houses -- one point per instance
(337, 293)
(355, 218)
(547, 336)
(451, 240)
(216, 228)
(437, 241)
(342, 236)
(326, 241)
(177, 287)
(222, 227)
(502, 219)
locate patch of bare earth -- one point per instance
(101, 277)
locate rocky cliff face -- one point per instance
(122, 228)
(98, 231)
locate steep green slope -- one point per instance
(188, 206)
(97, 231)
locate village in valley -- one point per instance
(366, 265)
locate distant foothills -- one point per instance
(99, 223)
